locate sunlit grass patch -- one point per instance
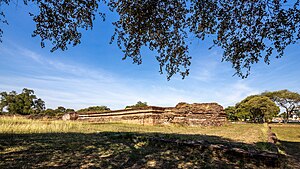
(20, 125)
(247, 133)
(287, 132)
(13, 149)
(289, 142)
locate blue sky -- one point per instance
(94, 73)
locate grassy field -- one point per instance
(246, 133)
(26, 143)
(289, 141)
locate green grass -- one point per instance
(287, 132)
(289, 141)
(26, 143)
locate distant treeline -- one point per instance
(27, 103)
(94, 109)
(138, 104)
(256, 108)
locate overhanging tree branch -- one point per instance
(247, 31)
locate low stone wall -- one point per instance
(205, 114)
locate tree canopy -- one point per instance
(231, 113)
(24, 103)
(137, 105)
(59, 111)
(286, 99)
(247, 31)
(256, 108)
(94, 109)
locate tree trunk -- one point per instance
(287, 116)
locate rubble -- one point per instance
(70, 116)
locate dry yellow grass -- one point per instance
(247, 133)
(287, 132)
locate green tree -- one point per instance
(258, 108)
(49, 112)
(70, 110)
(24, 103)
(247, 31)
(138, 104)
(286, 99)
(231, 113)
(12, 102)
(59, 111)
(94, 109)
(242, 114)
(39, 105)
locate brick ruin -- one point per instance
(204, 114)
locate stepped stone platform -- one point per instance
(203, 114)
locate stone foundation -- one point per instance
(204, 114)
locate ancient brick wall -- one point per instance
(205, 114)
(194, 114)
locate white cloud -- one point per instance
(63, 83)
(77, 93)
(28, 53)
(75, 86)
(230, 94)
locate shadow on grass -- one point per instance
(292, 149)
(122, 150)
